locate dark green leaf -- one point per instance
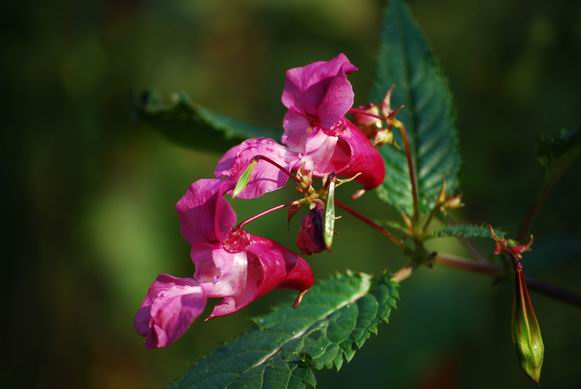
(465, 231)
(405, 60)
(193, 126)
(335, 319)
(555, 153)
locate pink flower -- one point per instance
(231, 264)
(318, 96)
(265, 176)
(310, 237)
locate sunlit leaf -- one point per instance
(335, 319)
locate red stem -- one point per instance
(412, 171)
(363, 112)
(549, 290)
(261, 214)
(284, 170)
(394, 239)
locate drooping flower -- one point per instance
(231, 264)
(317, 97)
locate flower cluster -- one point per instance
(238, 267)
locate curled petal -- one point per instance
(168, 310)
(355, 154)
(337, 101)
(219, 272)
(270, 266)
(205, 215)
(265, 177)
(305, 86)
(317, 95)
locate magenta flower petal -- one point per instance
(319, 152)
(337, 101)
(265, 177)
(205, 215)
(310, 237)
(168, 310)
(219, 272)
(317, 95)
(355, 154)
(300, 79)
(296, 129)
(270, 266)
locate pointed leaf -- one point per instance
(281, 351)
(193, 126)
(406, 60)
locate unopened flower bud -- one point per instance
(367, 118)
(384, 137)
(310, 238)
(453, 202)
(509, 246)
(526, 333)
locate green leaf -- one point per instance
(193, 126)
(465, 231)
(335, 318)
(405, 60)
(556, 153)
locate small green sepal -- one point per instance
(329, 220)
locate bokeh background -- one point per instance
(89, 193)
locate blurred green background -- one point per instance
(89, 194)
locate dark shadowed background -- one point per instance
(89, 194)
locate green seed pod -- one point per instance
(526, 333)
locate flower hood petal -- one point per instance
(317, 95)
(304, 86)
(205, 215)
(355, 154)
(168, 310)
